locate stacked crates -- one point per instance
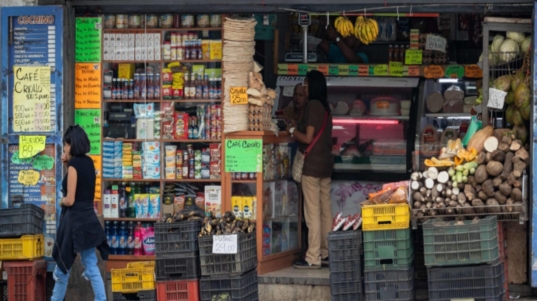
(22, 246)
(177, 260)
(463, 259)
(135, 282)
(388, 252)
(345, 252)
(231, 277)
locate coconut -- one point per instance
(521, 133)
(525, 111)
(526, 44)
(522, 95)
(517, 117)
(510, 98)
(509, 114)
(516, 80)
(503, 83)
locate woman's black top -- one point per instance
(79, 228)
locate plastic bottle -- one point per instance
(107, 229)
(130, 239)
(138, 249)
(131, 191)
(114, 238)
(122, 237)
(123, 200)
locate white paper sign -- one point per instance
(435, 43)
(225, 244)
(496, 99)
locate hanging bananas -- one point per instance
(366, 30)
(344, 26)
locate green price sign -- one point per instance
(380, 70)
(88, 40)
(90, 121)
(244, 155)
(454, 71)
(413, 57)
(396, 69)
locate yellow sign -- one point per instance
(396, 69)
(31, 99)
(28, 177)
(380, 70)
(238, 96)
(30, 146)
(413, 57)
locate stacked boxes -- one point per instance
(112, 152)
(388, 252)
(466, 250)
(131, 47)
(345, 265)
(151, 160)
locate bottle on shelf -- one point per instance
(114, 202)
(138, 250)
(114, 238)
(131, 191)
(130, 89)
(199, 87)
(107, 231)
(123, 200)
(136, 88)
(390, 53)
(122, 239)
(219, 88)
(205, 87)
(130, 239)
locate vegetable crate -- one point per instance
(180, 266)
(26, 247)
(3, 290)
(182, 290)
(235, 288)
(384, 250)
(140, 296)
(171, 238)
(345, 251)
(138, 276)
(420, 271)
(26, 280)
(228, 264)
(25, 220)
(389, 284)
(449, 243)
(485, 282)
(385, 217)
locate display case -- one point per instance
(373, 121)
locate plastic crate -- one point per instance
(485, 282)
(228, 264)
(3, 290)
(182, 290)
(25, 220)
(236, 288)
(139, 276)
(391, 249)
(389, 284)
(344, 251)
(449, 243)
(502, 247)
(420, 271)
(26, 280)
(181, 266)
(349, 291)
(26, 247)
(140, 296)
(385, 217)
(171, 238)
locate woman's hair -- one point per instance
(77, 138)
(317, 88)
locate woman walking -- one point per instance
(80, 230)
(314, 134)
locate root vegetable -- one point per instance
(433, 173)
(448, 192)
(461, 185)
(478, 139)
(416, 176)
(518, 207)
(493, 206)
(439, 200)
(472, 181)
(505, 189)
(494, 168)
(500, 133)
(423, 190)
(429, 205)
(507, 165)
(440, 188)
(511, 179)
(429, 183)
(516, 194)
(478, 188)
(443, 177)
(488, 188)
(507, 140)
(418, 197)
(523, 154)
(453, 197)
(481, 174)
(417, 205)
(497, 181)
(498, 155)
(416, 185)
(504, 147)
(518, 169)
(481, 158)
(434, 193)
(517, 184)
(509, 202)
(500, 198)
(482, 195)
(455, 191)
(488, 157)
(491, 144)
(469, 192)
(461, 198)
(453, 204)
(468, 210)
(428, 193)
(425, 175)
(516, 159)
(478, 203)
(515, 145)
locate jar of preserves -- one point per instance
(187, 21)
(166, 21)
(122, 21)
(109, 21)
(135, 21)
(151, 21)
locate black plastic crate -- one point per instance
(228, 264)
(179, 267)
(343, 277)
(390, 284)
(3, 290)
(345, 240)
(26, 220)
(171, 238)
(235, 288)
(350, 291)
(140, 296)
(485, 282)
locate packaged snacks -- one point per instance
(154, 205)
(148, 239)
(181, 125)
(178, 203)
(200, 201)
(213, 201)
(144, 110)
(236, 205)
(247, 207)
(171, 150)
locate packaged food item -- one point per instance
(135, 21)
(399, 196)
(109, 21)
(170, 173)
(382, 196)
(187, 21)
(181, 125)
(151, 21)
(144, 110)
(148, 236)
(213, 201)
(203, 21)
(200, 201)
(166, 21)
(122, 21)
(236, 205)
(216, 20)
(247, 206)
(154, 205)
(178, 203)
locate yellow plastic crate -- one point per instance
(385, 217)
(138, 276)
(25, 247)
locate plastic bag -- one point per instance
(399, 196)
(475, 125)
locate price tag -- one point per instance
(238, 96)
(30, 146)
(435, 43)
(454, 71)
(413, 71)
(496, 99)
(28, 177)
(225, 244)
(473, 71)
(433, 71)
(380, 70)
(413, 57)
(396, 69)
(363, 70)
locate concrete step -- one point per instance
(292, 284)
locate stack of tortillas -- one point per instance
(238, 61)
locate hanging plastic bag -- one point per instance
(475, 125)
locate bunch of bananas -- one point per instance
(366, 30)
(344, 26)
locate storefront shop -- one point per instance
(188, 108)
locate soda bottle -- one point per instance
(107, 229)
(123, 200)
(138, 249)
(130, 239)
(131, 191)
(122, 239)
(131, 89)
(114, 234)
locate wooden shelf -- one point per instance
(161, 61)
(164, 100)
(193, 61)
(191, 140)
(133, 100)
(130, 140)
(243, 181)
(131, 219)
(192, 180)
(131, 180)
(120, 30)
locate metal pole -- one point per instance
(305, 46)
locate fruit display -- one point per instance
(344, 26)
(506, 48)
(366, 30)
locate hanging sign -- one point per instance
(473, 71)
(30, 146)
(90, 121)
(435, 43)
(225, 244)
(238, 96)
(496, 99)
(87, 86)
(31, 99)
(88, 40)
(244, 155)
(413, 57)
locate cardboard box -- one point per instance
(216, 50)
(126, 71)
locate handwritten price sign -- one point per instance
(238, 96)
(30, 146)
(28, 177)
(435, 43)
(225, 244)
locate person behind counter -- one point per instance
(80, 230)
(294, 111)
(342, 50)
(317, 170)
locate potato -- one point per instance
(494, 168)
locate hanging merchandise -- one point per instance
(366, 30)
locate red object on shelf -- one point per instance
(26, 280)
(178, 290)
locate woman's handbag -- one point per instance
(298, 163)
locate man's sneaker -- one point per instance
(325, 262)
(302, 264)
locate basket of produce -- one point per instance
(387, 209)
